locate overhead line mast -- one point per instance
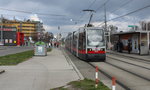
(105, 17)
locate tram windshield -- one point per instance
(95, 37)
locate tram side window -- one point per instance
(80, 41)
(84, 40)
(75, 40)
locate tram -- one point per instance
(87, 43)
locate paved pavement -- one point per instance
(2, 71)
(40, 73)
(135, 56)
(5, 50)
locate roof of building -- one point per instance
(19, 21)
(131, 32)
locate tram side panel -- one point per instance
(82, 45)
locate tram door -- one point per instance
(135, 46)
(144, 43)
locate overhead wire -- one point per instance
(92, 4)
(124, 4)
(29, 12)
(137, 10)
(116, 9)
(88, 8)
(102, 5)
(81, 17)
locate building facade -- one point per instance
(8, 36)
(29, 28)
(26, 29)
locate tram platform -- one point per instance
(131, 55)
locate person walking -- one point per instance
(129, 46)
(121, 46)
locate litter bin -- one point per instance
(40, 49)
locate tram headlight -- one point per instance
(102, 49)
(89, 49)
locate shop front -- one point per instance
(8, 36)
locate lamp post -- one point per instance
(59, 34)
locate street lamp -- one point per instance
(59, 35)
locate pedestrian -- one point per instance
(51, 44)
(139, 49)
(121, 46)
(117, 46)
(57, 44)
(129, 46)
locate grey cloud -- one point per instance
(72, 9)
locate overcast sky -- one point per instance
(65, 13)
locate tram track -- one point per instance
(129, 63)
(110, 77)
(130, 58)
(129, 71)
(80, 64)
(125, 78)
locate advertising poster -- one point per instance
(144, 44)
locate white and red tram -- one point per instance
(88, 43)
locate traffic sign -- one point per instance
(131, 25)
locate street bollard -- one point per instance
(113, 83)
(96, 77)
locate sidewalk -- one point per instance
(135, 56)
(2, 71)
(40, 73)
(2, 48)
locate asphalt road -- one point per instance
(5, 50)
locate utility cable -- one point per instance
(128, 13)
(102, 5)
(28, 12)
(126, 3)
(91, 4)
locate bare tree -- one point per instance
(47, 37)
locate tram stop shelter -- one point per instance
(140, 41)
